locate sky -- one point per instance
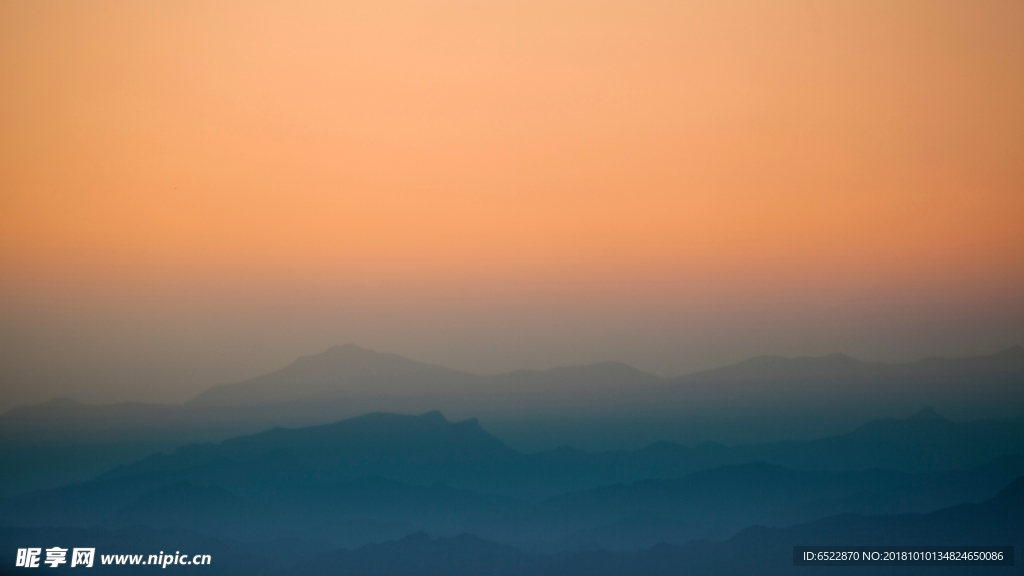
(195, 192)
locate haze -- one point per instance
(197, 192)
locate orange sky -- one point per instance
(656, 160)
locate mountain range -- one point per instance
(977, 387)
(754, 550)
(602, 407)
(381, 476)
(346, 381)
(354, 461)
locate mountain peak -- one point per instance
(339, 369)
(349, 359)
(925, 415)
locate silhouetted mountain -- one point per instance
(338, 371)
(755, 550)
(353, 371)
(915, 444)
(715, 504)
(421, 449)
(64, 441)
(777, 368)
(428, 448)
(765, 386)
(598, 406)
(996, 522)
(752, 551)
(383, 475)
(798, 380)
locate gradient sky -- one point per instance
(197, 192)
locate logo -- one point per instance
(30, 557)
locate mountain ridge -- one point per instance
(753, 550)
(600, 406)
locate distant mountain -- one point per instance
(755, 550)
(349, 360)
(383, 475)
(752, 551)
(312, 455)
(597, 407)
(338, 371)
(386, 382)
(995, 522)
(970, 387)
(775, 368)
(963, 388)
(923, 441)
(428, 448)
(422, 449)
(715, 504)
(920, 443)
